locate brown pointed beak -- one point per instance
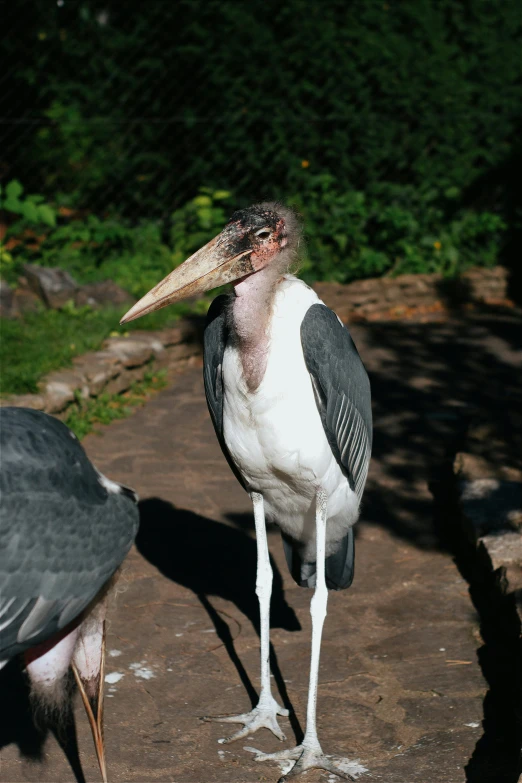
(222, 261)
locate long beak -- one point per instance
(91, 691)
(221, 261)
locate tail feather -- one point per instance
(339, 566)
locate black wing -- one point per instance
(214, 344)
(62, 533)
(342, 393)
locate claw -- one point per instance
(306, 758)
(261, 717)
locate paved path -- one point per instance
(401, 688)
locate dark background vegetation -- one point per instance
(129, 132)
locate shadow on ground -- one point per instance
(28, 728)
(497, 756)
(427, 381)
(214, 559)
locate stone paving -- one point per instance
(401, 687)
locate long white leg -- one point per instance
(309, 754)
(264, 715)
(318, 611)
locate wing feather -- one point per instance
(214, 342)
(342, 394)
(342, 391)
(63, 534)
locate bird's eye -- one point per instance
(263, 233)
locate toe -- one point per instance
(225, 718)
(244, 732)
(278, 733)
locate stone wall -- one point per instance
(422, 295)
(124, 360)
(480, 491)
(121, 362)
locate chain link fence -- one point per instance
(130, 108)
(384, 123)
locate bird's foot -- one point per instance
(306, 758)
(264, 716)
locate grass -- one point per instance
(46, 340)
(83, 417)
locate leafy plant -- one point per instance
(46, 340)
(32, 209)
(84, 416)
(392, 229)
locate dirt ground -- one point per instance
(401, 685)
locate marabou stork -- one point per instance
(290, 402)
(64, 531)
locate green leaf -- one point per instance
(13, 205)
(13, 189)
(30, 212)
(47, 215)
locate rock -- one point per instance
(34, 401)
(6, 300)
(61, 387)
(178, 352)
(489, 504)
(98, 368)
(106, 292)
(125, 380)
(184, 331)
(54, 286)
(25, 301)
(131, 353)
(151, 339)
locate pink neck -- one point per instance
(251, 315)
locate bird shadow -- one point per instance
(214, 559)
(30, 730)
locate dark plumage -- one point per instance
(64, 531)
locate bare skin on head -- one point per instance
(251, 306)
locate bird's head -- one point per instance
(264, 236)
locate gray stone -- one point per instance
(24, 300)
(6, 300)
(184, 331)
(131, 353)
(61, 387)
(106, 292)
(504, 549)
(34, 401)
(490, 504)
(98, 368)
(54, 286)
(125, 379)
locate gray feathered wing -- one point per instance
(214, 342)
(342, 394)
(62, 534)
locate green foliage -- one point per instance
(31, 209)
(83, 417)
(426, 93)
(392, 229)
(198, 221)
(47, 340)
